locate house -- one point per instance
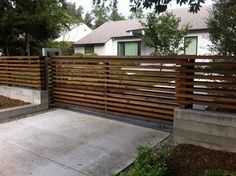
(127, 37)
(75, 33)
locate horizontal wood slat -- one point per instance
(150, 87)
(139, 88)
(22, 71)
(146, 87)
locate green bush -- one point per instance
(148, 163)
(218, 173)
(81, 54)
(78, 54)
(91, 54)
(66, 47)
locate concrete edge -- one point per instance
(9, 113)
(205, 116)
(206, 113)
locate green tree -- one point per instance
(221, 25)
(160, 5)
(8, 30)
(77, 13)
(115, 15)
(100, 13)
(31, 22)
(164, 34)
(137, 14)
(88, 18)
(66, 47)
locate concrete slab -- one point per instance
(75, 141)
(16, 161)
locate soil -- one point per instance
(191, 160)
(6, 102)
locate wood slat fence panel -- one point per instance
(136, 87)
(22, 71)
(148, 87)
(207, 82)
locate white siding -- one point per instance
(203, 43)
(79, 49)
(110, 47)
(145, 50)
(75, 34)
(99, 49)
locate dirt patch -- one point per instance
(6, 102)
(190, 160)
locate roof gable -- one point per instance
(115, 29)
(109, 30)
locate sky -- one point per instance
(124, 5)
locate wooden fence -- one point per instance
(142, 87)
(207, 82)
(22, 71)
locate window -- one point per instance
(88, 49)
(129, 48)
(192, 48)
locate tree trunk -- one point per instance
(27, 40)
(7, 51)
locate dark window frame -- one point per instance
(123, 46)
(86, 50)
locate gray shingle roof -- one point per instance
(197, 21)
(110, 29)
(120, 28)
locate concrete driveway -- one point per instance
(68, 143)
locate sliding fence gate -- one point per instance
(144, 87)
(132, 87)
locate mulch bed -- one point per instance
(190, 160)
(6, 102)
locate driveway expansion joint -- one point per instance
(41, 155)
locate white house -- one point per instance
(75, 33)
(127, 37)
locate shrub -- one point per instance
(148, 163)
(78, 54)
(81, 54)
(91, 54)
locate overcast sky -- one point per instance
(124, 5)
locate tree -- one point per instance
(77, 13)
(100, 13)
(66, 47)
(137, 14)
(8, 30)
(221, 25)
(88, 18)
(115, 15)
(160, 5)
(163, 34)
(31, 22)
